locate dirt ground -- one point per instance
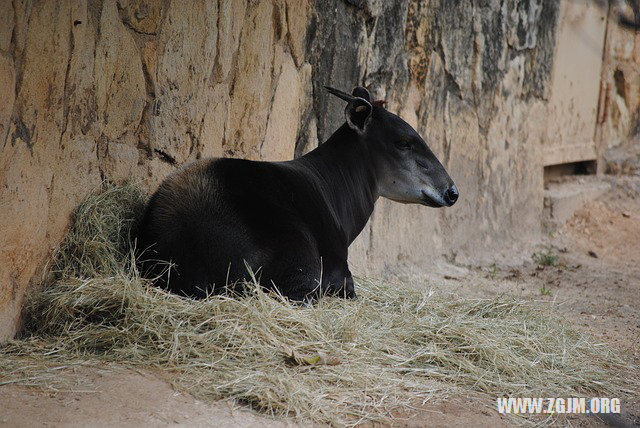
(591, 277)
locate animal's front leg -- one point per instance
(338, 280)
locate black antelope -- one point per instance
(289, 222)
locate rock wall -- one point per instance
(113, 89)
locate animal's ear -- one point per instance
(358, 112)
(361, 92)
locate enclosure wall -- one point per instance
(109, 90)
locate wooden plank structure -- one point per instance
(575, 86)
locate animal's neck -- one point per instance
(347, 177)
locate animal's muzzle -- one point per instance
(451, 195)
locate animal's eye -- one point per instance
(403, 145)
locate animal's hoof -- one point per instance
(349, 290)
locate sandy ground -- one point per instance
(111, 396)
(595, 284)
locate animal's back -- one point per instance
(216, 217)
(190, 223)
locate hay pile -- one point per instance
(338, 362)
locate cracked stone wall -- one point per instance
(114, 89)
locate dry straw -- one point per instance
(338, 362)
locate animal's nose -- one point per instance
(451, 195)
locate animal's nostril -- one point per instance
(452, 195)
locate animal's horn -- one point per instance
(340, 94)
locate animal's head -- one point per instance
(408, 171)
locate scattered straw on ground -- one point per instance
(337, 362)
